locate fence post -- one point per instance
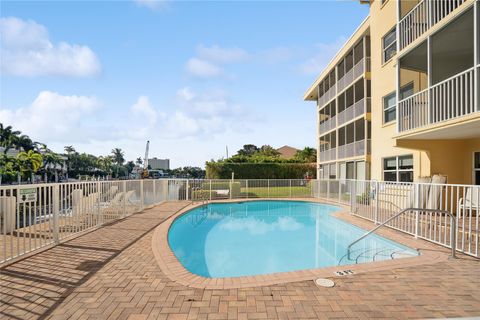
(328, 189)
(268, 188)
(290, 188)
(56, 209)
(124, 187)
(142, 196)
(186, 189)
(154, 192)
(340, 191)
(353, 195)
(210, 193)
(231, 185)
(246, 187)
(417, 195)
(376, 203)
(453, 235)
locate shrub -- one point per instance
(217, 170)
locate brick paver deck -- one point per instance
(111, 273)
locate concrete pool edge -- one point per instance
(175, 271)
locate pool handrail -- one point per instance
(453, 227)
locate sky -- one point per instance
(193, 77)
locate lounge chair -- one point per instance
(471, 200)
(433, 201)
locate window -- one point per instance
(389, 45)
(476, 168)
(389, 107)
(398, 168)
(390, 102)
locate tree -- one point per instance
(248, 150)
(139, 161)
(51, 160)
(118, 158)
(307, 155)
(129, 166)
(69, 149)
(9, 167)
(8, 137)
(29, 162)
(268, 150)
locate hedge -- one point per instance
(217, 170)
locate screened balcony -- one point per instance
(327, 147)
(417, 17)
(354, 139)
(354, 102)
(439, 78)
(327, 89)
(327, 118)
(354, 64)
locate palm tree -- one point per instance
(139, 161)
(23, 142)
(118, 157)
(51, 160)
(307, 155)
(29, 162)
(8, 137)
(69, 149)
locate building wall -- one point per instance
(159, 164)
(382, 20)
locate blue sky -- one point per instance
(190, 76)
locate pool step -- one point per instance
(372, 255)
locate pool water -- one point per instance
(261, 237)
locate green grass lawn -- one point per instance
(279, 192)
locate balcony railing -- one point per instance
(353, 111)
(360, 68)
(422, 17)
(354, 149)
(328, 125)
(327, 96)
(327, 155)
(449, 99)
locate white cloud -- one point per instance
(144, 108)
(27, 51)
(52, 117)
(218, 54)
(206, 63)
(325, 53)
(203, 69)
(152, 4)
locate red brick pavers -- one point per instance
(111, 273)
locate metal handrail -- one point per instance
(453, 228)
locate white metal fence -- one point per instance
(36, 216)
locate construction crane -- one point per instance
(145, 162)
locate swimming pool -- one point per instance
(261, 237)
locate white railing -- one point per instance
(328, 155)
(38, 216)
(355, 110)
(327, 96)
(422, 17)
(356, 71)
(446, 100)
(379, 201)
(327, 125)
(353, 149)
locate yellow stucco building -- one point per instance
(401, 99)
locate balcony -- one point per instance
(327, 125)
(360, 68)
(447, 100)
(355, 110)
(422, 17)
(354, 149)
(328, 155)
(327, 96)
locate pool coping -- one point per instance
(175, 271)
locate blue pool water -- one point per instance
(260, 237)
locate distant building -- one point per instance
(159, 164)
(287, 152)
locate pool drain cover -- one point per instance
(327, 283)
